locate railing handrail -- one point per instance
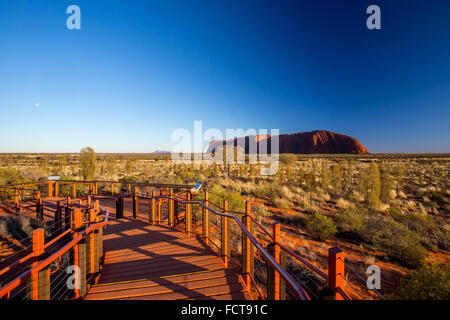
(46, 262)
(156, 185)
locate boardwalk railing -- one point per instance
(81, 243)
(176, 206)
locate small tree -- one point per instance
(429, 282)
(336, 173)
(347, 176)
(400, 175)
(321, 226)
(61, 164)
(325, 180)
(386, 185)
(371, 186)
(88, 163)
(111, 166)
(129, 167)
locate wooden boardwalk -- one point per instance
(145, 262)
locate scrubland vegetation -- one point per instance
(397, 205)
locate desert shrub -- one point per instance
(281, 203)
(301, 198)
(295, 219)
(20, 227)
(370, 184)
(437, 197)
(321, 226)
(288, 159)
(432, 236)
(356, 197)
(34, 174)
(3, 228)
(262, 190)
(218, 194)
(395, 213)
(351, 224)
(343, 204)
(428, 282)
(10, 176)
(396, 239)
(262, 211)
(277, 191)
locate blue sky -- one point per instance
(137, 70)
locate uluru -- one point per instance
(313, 142)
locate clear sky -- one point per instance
(137, 70)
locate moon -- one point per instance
(36, 104)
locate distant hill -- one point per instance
(314, 142)
(161, 152)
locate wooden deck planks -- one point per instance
(156, 262)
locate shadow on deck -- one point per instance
(157, 262)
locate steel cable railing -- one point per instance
(57, 255)
(361, 278)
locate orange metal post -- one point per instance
(276, 236)
(95, 188)
(188, 218)
(38, 250)
(79, 256)
(246, 246)
(273, 277)
(56, 189)
(336, 270)
(50, 188)
(135, 202)
(97, 206)
(77, 223)
(205, 221)
(170, 208)
(152, 211)
(129, 188)
(16, 199)
(74, 190)
(91, 268)
(77, 218)
(224, 235)
(112, 188)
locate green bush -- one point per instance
(262, 211)
(320, 226)
(281, 203)
(431, 235)
(21, 227)
(9, 176)
(429, 282)
(351, 224)
(217, 195)
(396, 239)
